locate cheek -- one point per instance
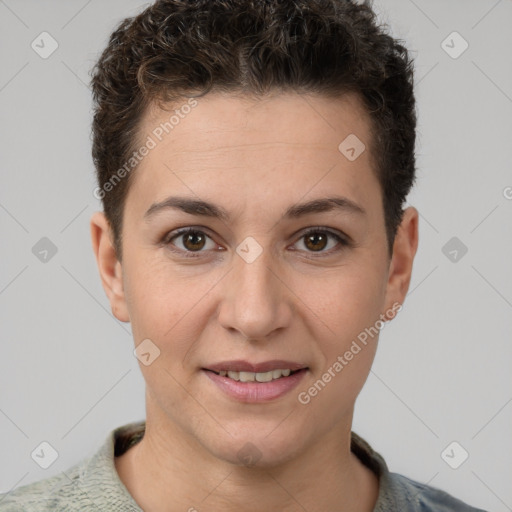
(346, 326)
(346, 330)
(171, 311)
(159, 300)
(346, 301)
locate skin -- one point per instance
(255, 158)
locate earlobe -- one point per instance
(109, 266)
(400, 269)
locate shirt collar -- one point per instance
(391, 496)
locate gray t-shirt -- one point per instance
(94, 485)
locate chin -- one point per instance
(256, 449)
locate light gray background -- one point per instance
(442, 373)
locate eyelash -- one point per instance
(195, 254)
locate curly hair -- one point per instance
(187, 48)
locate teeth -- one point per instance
(247, 377)
(277, 373)
(258, 377)
(265, 377)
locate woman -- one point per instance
(253, 159)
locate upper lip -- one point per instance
(245, 366)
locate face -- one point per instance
(252, 242)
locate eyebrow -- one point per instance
(199, 207)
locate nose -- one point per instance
(256, 301)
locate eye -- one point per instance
(320, 240)
(191, 240)
(188, 241)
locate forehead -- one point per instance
(295, 118)
(279, 146)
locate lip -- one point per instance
(256, 392)
(240, 365)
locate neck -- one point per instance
(169, 471)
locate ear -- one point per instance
(400, 268)
(109, 266)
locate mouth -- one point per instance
(256, 382)
(256, 376)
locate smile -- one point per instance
(256, 377)
(254, 383)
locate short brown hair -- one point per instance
(186, 48)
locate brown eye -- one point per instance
(321, 241)
(194, 241)
(191, 240)
(316, 241)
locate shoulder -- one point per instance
(52, 493)
(422, 497)
(92, 484)
(397, 492)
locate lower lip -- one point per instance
(254, 392)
